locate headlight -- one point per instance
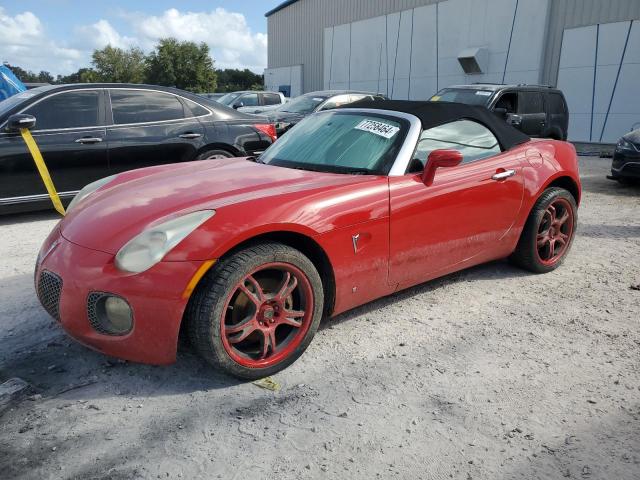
(148, 248)
(626, 145)
(88, 190)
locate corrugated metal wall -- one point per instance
(579, 13)
(296, 32)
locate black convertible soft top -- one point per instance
(432, 114)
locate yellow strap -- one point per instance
(42, 168)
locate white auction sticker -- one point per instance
(484, 93)
(377, 128)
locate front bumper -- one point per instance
(625, 164)
(155, 296)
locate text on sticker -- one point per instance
(377, 128)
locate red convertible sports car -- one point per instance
(352, 204)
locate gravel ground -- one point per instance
(490, 373)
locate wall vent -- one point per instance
(474, 60)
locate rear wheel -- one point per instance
(215, 154)
(548, 233)
(257, 311)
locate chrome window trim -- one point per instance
(54, 131)
(405, 155)
(151, 124)
(35, 198)
(118, 125)
(47, 97)
(107, 90)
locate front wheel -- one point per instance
(548, 233)
(257, 310)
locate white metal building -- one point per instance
(409, 49)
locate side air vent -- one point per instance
(474, 60)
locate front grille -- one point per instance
(49, 290)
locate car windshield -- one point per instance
(340, 142)
(302, 104)
(463, 95)
(228, 98)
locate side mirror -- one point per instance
(500, 112)
(437, 159)
(19, 121)
(238, 105)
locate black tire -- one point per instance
(207, 305)
(628, 181)
(526, 254)
(216, 153)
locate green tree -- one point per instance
(183, 65)
(233, 79)
(27, 76)
(83, 75)
(114, 64)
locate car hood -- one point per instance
(279, 116)
(138, 199)
(633, 137)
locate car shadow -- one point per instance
(18, 218)
(608, 231)
(600, 184)
(36, 349)
(488, 271)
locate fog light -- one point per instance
(119, 314)
(109, 314)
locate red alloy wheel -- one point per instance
(267, 315)
(555, 231)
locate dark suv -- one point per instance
(537, 110)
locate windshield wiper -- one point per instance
(255, 159)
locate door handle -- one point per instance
(191, 135)
(89, 140)
(503, 175)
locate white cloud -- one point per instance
(24, 43)
(101, 34)
(232, 43)
(230, 39)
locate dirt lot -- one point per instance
(491, 373)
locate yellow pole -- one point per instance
(42, 168)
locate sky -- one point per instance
(59, 35)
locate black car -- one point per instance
(89, 131)
(626, 159)
(296, 109)
(537, 110)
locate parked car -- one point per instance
(212, 96)
(250, 101)
(626, 159)
(351, 205)
(296, 109)
(537, 110)
(88, 131)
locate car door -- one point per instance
(245, 100)
(463, 214)
(271, 100)
(70, 134)
(150, 127)
(531, 111)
